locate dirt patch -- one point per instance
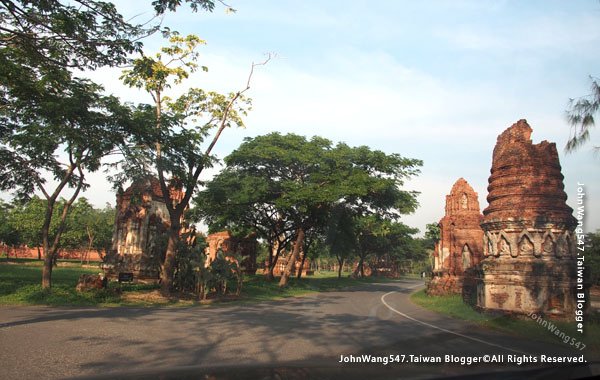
(157, 298)
(153, 297)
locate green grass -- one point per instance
(20, 285)
(257, 289)
(453, 306)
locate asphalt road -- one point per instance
(311, 331)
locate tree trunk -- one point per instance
(270, 266)
(115, 235)
(301, 266)
(356, 272)
(168, 267)
(47, 272)
(39, 253)
(90, 245)
(292, 260)
(274, 263)
(48, 259)
(361, 262)
(340, 266)
(270, 275)
(50, 252)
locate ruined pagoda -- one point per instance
(141, 222)
(528, 246)
(460, 244)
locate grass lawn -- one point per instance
(20, 285)
(453, 306)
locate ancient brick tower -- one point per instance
(230, 245)
(141, 218)
(528, 244)
(460, 245)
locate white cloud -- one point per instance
(369, 94)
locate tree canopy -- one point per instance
(53, 123)
(283, 184)
(176, 138)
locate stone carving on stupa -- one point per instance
(461, 237)
(528, 244)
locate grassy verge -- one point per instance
(453, 306)
(20, 285)
(257, 289)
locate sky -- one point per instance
(433, 80)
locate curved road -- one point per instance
(311, 331)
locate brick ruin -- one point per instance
(528, 245)
(230, 245)
(141, 219)
(282, 261)
(460, 244)
(380, 266)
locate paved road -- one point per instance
(42, 342)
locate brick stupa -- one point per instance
(460, 245)
(230, 246)
(528, 243)
(141, 218)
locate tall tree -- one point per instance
(372, 238)
(236, 200)
(177, 153)
(304, 180)
(57, 125)
(51, 122)
(340, 236)
(88, 228)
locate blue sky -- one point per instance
(434, 80)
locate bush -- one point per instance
(192, 275)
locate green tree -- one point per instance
(28, 218)
(88, 228)
(580, 115)
(236, 200)
(173, 145)
(299, 182)
(78, 34)
(8, 234)
(53, 123)
(372, 239)
(406, 249)
(432, 234)
(161, 6)
(101, 229)
(65, 130)
(78, 221)
(340, 236)
(383, 240)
